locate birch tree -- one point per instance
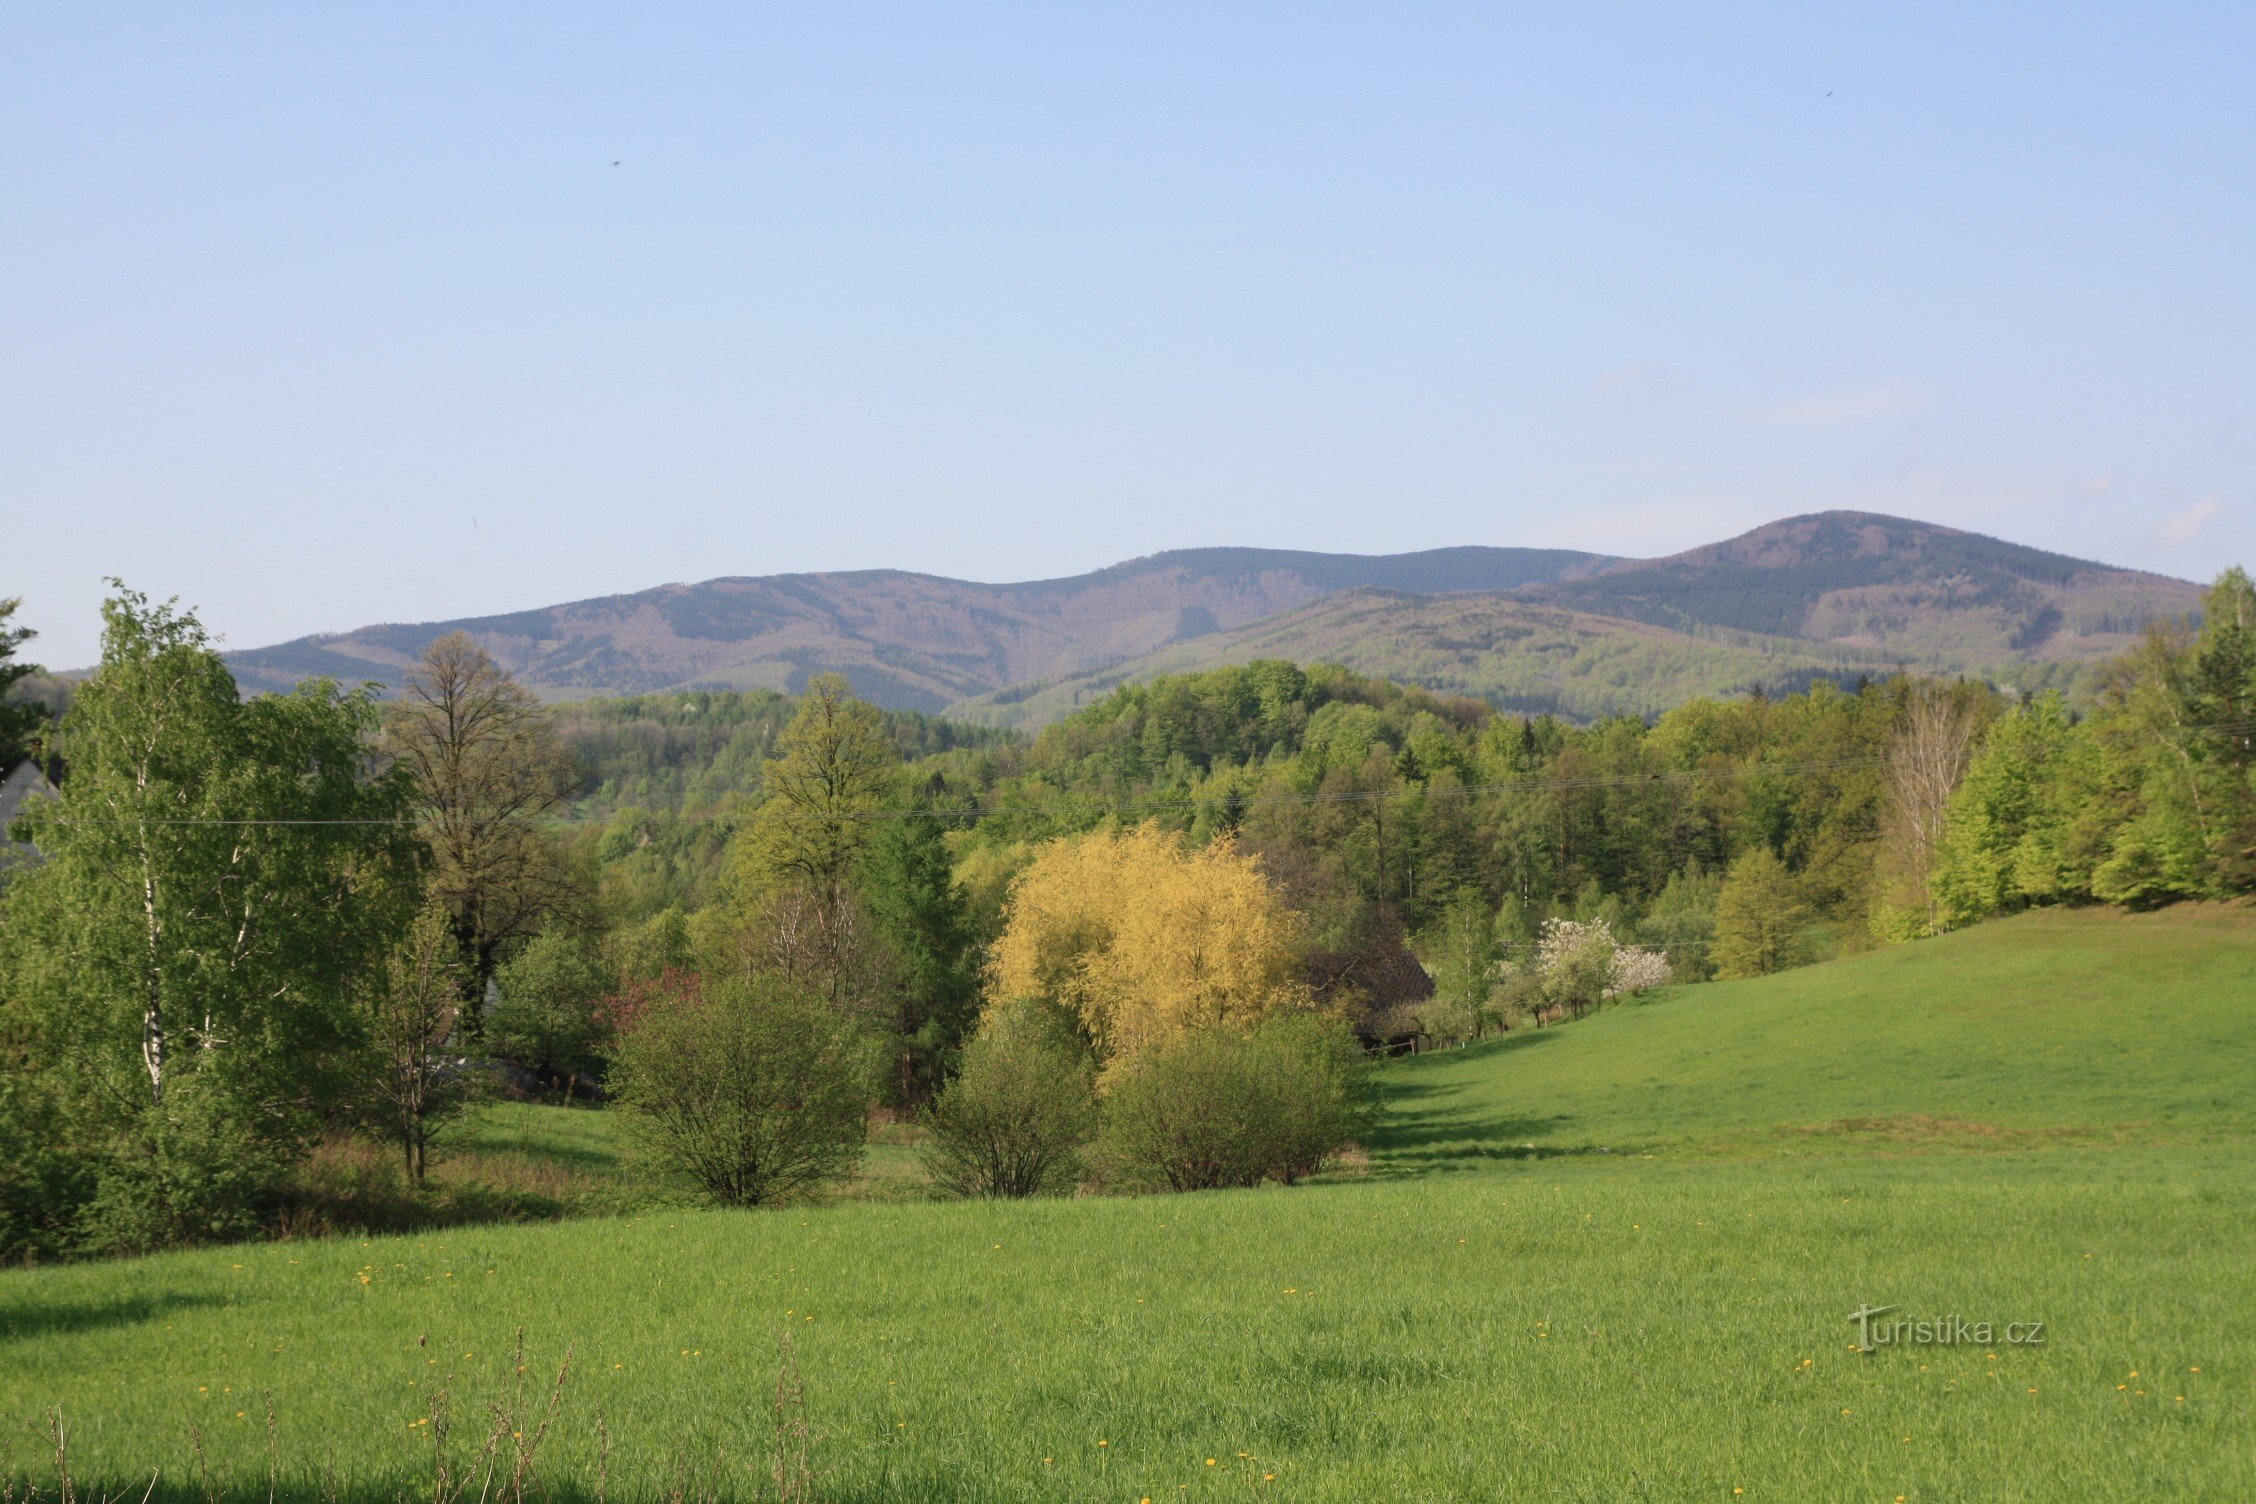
(214, 872)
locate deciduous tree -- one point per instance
(1141, 938)
(1760, 915)
(795, 862)
(417, 1081)
(487, 768)
(217, 869)
(745, 1091)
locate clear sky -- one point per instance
(317, 315)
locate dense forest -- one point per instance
(1391, 810)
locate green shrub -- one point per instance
(198, 1169)
(1310, 1083)
(1217, 1108)
(44, 1181)
(1020, 1110)
(746, 1091)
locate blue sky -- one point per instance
(322, 315)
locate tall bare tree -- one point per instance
(487, 767)
(1927, 758)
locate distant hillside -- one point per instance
(1829, 595)
(907, 641)
(1548, 629)
(1512, 653)
(1910, 591)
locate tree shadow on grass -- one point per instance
(1430, 1124)
(22, 1322)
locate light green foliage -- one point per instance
(1214, 1107)
(2008, 841)
(834, 766)
(1463, 957)
(644, 950)
(1681, 921)
(174, 930)
(745, 1092)
(1014, 1120)
(2177, 777)
(413, 1032)
(547, 1018)
(1760, 918)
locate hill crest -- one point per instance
(1809, 594)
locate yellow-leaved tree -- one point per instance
(1142, 937)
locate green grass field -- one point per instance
(1613, 1260)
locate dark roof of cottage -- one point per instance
(23, 781)
(1381, 975)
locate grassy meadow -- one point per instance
(1610, 1260)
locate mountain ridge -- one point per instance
(911, 641)
(1818, 593)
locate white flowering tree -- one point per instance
(1580, 964)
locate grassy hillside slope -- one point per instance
(2055, 1026)
(1464, 1322)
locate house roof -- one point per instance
(24, 781)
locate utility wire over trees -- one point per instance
(487, 770)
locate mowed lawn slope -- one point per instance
(1473, 1320)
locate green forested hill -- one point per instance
(1513, 654)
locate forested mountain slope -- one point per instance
(1579, 634)
(1912, 590)
(908, 641)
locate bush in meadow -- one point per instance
(1021, 1108)
(1216, 1108)
(747, 1091)
(201, 1167)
